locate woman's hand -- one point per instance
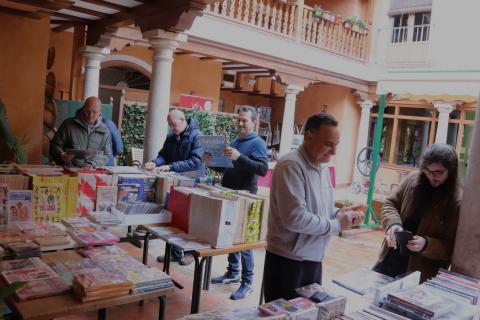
(390, 235)
(417, 244)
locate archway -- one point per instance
(124, 79)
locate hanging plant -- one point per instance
(317, 11)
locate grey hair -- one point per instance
(177, 114)
(252, 110)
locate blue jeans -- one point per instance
(247, 265)
(177, 253)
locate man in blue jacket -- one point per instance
(116, 144)
(250, 160)
(181, 152)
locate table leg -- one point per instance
(208, 272)
(197, 284)
(162, 307)
(166, 258)
(102, 314)
(145, 248)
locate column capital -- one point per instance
(366, 104)
(91, 52)
(293, 89)
(445, 106)
(159, 38)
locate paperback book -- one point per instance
(19, 205)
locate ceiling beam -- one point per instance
(107, 4)
(243, 68)
(265, 73)
(47, 4)
(70, 17)
(88, 11)
(28, 14)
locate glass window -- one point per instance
(452, 134)
(400, 28)
(418, 112)
(455, 114)
(469, 114)
(386, 139)
(421, 26)
(388, 110)
(412, 139)
(465, 150)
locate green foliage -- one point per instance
(133, 129)
(134, 119)
(354, 20)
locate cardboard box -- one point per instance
(16, 181)
(213, 219)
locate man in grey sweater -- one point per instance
(302, 216)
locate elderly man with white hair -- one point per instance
(181, 152)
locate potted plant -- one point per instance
(356, 24)
(329, 16)
(317, 11)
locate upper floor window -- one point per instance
(421, 26)
(411, 27)
(400, 28)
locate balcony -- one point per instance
(297, 23)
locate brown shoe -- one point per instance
(186, 260)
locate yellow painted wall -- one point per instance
(204, 77)
(23, 65)
(342, 105)
(62, 42)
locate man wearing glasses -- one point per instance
(426, 204)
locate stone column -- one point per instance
(466, 255)
(291, 92)
(93, 57)
(362, 138)
(444, 108)
(163, 44)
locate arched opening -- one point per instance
(123, 82)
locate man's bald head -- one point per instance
(176, 121)
(91, 110)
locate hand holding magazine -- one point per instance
(213, 147)
(85, 154)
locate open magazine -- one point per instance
(214, 145)
(85, 154)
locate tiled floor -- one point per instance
(345, 254)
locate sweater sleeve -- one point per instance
(257, 161)
(292, 207)
(57, 145)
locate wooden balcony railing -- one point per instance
(269, 15)
(295, 22)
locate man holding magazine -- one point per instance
(249, 157)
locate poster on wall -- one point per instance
(195, 102)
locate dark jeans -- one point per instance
(282, 276)
(247, 265)
(177, 253)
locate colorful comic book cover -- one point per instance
(19, 205)
(106, 198)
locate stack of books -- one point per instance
(67, 269)
(144, 279)
(25, 249)
(185, 242)
(45, 233)
(41, 280)
(423, 303)
(94, 238)
(328, 304)
(104, 218)
(100, 285)
(371, 313)
(455, 285)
